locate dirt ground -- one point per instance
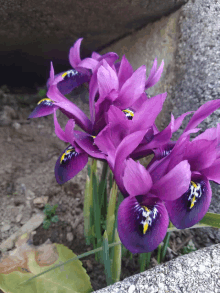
(29, 150)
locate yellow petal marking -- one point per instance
(145, 228)
(63, 155)
(192, 202)
(45, 99)
(193, 183)
(64, 74)
(129, 112)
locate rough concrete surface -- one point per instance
(197, 272)
(34, 33)
(156, 40)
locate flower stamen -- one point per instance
(68, 154)
(195, 193)
(128, 113)
(147, 218)
(69, 73)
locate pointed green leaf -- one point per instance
(211, 219)
(106, 259)
(87, 208)
(116, 262)
(110, 220)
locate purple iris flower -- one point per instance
(203, 155)
(120, 124)
(66, 81)
(142, 216)
(121, 105)
(154, 75)
(73, 159)
(121, 90)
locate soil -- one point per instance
(29, 150)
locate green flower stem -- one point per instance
(110, 220)
(106, 260)
(144, 260)
(148, 259)
(166, 243)
(158, 254)
(116, 261)
(87, 210)
(102, 190)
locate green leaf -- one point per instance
(116, 262)
(106, 259)
(42, 93)
(72, 259)
(46, 224)
(110, 220)
(144, 261)
(211, 219)
(166, 243)
(87, 210)
(102, 191)
(27, 260)
(96, 207)
(159, 254)
(53, 210)
(54, 219)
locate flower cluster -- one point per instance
(121, 129)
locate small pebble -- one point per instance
(18, 218)
(40, 202)
(16, 125)
(178, 240)
(69, 236)
(5, 228)
(131, 289)
(30, 194)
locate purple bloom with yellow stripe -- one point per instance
(142, 216)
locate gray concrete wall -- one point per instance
(196, 272)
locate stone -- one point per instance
(40, 202)
(194, 272)
(30, 194)
(16, 125)
(5, 228)
(7, 115)
(30, 226)
(18, 218)
(69, 236)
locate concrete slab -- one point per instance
(197, 272)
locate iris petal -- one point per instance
(154, 75)
(71, 79)
(74, 54)
(45, 107)
(142, 225)
(136, 178)
(132, 89)
(69, 164)
(203, 112)
(86, 142)
(191, 207)
(174, 183)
